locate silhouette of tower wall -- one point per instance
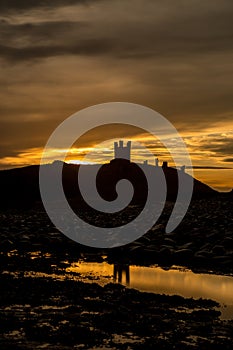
(121, 151)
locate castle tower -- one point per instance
(121, 151)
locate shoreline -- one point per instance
(55, 314)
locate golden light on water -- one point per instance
(173, 281)
(169, 282)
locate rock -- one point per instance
(221, 260)
(228, 243)
(205, 253)
(186, 246)
(218, 250)
(200, 260)
(165, 255)
(169, 241)
(183, 255)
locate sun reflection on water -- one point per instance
(175, 281)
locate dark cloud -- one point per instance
(228, 160)
(219, 145)
(23, 133)
(86, 47)
(179, 34)
(38, 31)
(8, 6)
(18, 136)
(209, 167)
(223, 148)
(33, 41)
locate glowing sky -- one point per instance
(173, 56)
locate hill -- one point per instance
(20, 186)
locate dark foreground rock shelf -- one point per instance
(37, 313)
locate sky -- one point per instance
(176, 57)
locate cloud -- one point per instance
(221, 146)
(151, 33)
(209, 167)
(8, 6)
(178, 62)
(213, 147)
(87, 47)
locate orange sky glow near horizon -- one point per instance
(208, 166)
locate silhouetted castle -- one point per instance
(124, 152)
(121, 151)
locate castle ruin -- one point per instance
(121, 151)
(124, 152)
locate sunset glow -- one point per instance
(210, 166)
(57, 60)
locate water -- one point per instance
(175, 281)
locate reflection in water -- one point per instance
(118, 271)
(157, 280)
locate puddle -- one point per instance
(176, 281)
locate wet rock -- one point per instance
(200, 260)
(169, 242)
(67, 315)
(183, 255)
(221, 260)
(228, 243)
(165, 255)
(188, 245)
(218, 250)
(205, 253)
(207, 230)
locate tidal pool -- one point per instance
(175, 281)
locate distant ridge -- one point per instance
(209, 167)
(20, 186)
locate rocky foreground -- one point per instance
(37, 313)
(203, 241)
(44, 310)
